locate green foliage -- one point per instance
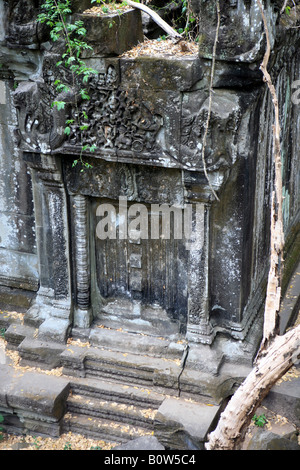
(2, 334)
(1, 429)
(183, 18)
(288, 10)
(36, 443)
(110, 6)
(56, 14)
(260, 420)
(67, 446)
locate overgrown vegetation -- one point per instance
(1, 429)
(56, 15)
(180, 15)
(110, 5)
(260, 420)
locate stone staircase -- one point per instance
(111, 411)
(115, 386)
(112, 386)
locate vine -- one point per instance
(190, 28)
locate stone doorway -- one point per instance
(140, 283)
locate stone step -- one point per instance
(284, 397)
(32, 401)
(121, 340)
(135, 317)
(16, 333)
(8, 318)
(127, 368)
(38, 353)
(111, 410)
(99, 428)
(102, 389)
(185, 424)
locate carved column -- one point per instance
(199, 329)
(81, 249)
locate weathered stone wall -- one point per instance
(147, 118)
(18, 252)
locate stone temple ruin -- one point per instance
(163, 319)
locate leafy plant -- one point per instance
(110, 6)
(260, 420)
(36, 443)
(56, 15)
(67, 446)
(1, 429)
(2, 332)
(181, 14)
(288, 10)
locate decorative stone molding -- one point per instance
(52, 236)
(83, 312)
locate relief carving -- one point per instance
(40, 127)
(220, 152)
(127, 123)
(117, 121)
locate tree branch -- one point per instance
(167, 28)
(235, 419)
(273, 296)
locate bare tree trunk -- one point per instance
(273, 296)
(235, 419)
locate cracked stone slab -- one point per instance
(181, 424)
(36, 394)
(284, 399)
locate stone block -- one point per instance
(18, 270)
(17, 232)
(45, 353)
(157, 73)
(73, 361)
(112, 34)
(142, 443)
(16, 333)
(240, 40)
(54, 329)
(180, 424)
(33, 393)
(266, 440)
(135, 343)
(204, 359)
